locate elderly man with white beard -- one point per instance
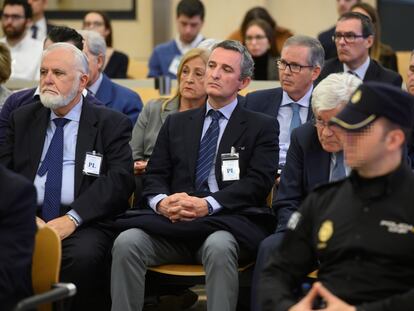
(78, 157)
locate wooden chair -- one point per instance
(45, 273)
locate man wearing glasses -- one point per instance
(354, 36)
(300, 64)
(25, 51)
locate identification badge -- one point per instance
(174, 65)
(92, 165)
(230, 165)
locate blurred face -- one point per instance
(192, 79)
(365, 148)
(188, 27)
(94, 21)
(328, 137)
(60, 82)
(38, 7)
(353, 54)
(256, 41)
(296, 84)
(344, 6)
(13, 21)
(95, 65)
(222, 81)
(410, 77)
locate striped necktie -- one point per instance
(207, 151)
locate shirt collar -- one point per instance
(73, 115)
(361, 70)
(303, 102)
(95, 87)
(41, 24)
(183, 47)
(226, 110)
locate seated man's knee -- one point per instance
(220, 245)
(130, 242)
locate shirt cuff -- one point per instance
(214, 204)
(153, 200)
(75, 215)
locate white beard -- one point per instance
(58, 101)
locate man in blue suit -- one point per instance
(166, 56)
(314, 157)
(300, 64)
(111, 94)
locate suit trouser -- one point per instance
(134, 250)
(267, 247)
(86, 263)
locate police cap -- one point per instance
(373, 100)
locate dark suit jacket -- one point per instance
(120, 98)
(307, 165)
(102, 130)
(328, 44)
(172, 168)
(268, 102)
(17, 232)
(117, 66)
(19, 99)
(375, 72)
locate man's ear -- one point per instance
(101, 62)
(244, 83)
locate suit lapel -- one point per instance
(278, 100)
(318, 164)
(372, 71)
(85, 141)
(37, 136)
(104, 93)
(192, 132)
(235, 128)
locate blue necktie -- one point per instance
(295, 122)
(338, 171)
(52, 164)
(207, 151)
(34, 29)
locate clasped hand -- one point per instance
(182, 207)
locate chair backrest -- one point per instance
(46, 261)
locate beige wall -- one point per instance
(307, 17)
(132, 37)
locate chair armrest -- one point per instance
(60, 291)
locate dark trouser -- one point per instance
(86, 257)
(268, 246)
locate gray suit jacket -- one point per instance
(150, 120)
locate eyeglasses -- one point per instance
(13, 17)
(93, 24)
(257, 38)
(321, 124)
(281, 64)
(348, 37)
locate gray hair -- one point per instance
(95, 42)
(81, 61)
(316, 55)
(246, 64)
(333, 91)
